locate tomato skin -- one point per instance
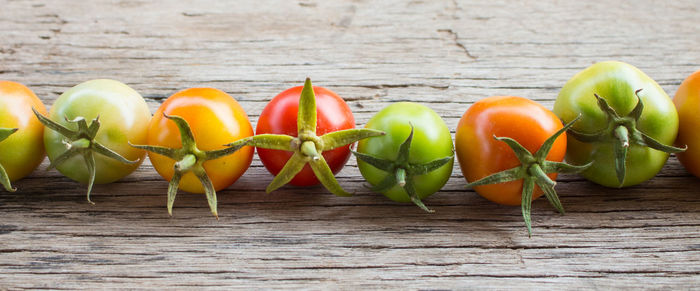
(616, 82)
(687, 101)
(280, 117)
(215, 119)
(123, 116)
(431, 140)
(480, 155)
(22, 151)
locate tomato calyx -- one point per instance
(4, 178)
(307, 146)
(533, 170)
(622, 132)
(81, 142)
(402, 171)
(191, 159)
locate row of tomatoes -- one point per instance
(620, 125)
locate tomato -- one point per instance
(186, 142)
(687, 101)
(289, 137)
(99, 151)
(415, 157)
(495, 141)
(21, 135)
(627, 121)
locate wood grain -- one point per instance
(445, 54)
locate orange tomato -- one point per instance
(215, 119)
(22, 151)
(687, 101)
(480, 155)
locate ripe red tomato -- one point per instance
(280, 117)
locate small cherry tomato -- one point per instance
(98, 151)
(510, 149)
(187, 140)
(296, 126)
(415, 157)
(21, 134)
(627, 123)
(687, 101)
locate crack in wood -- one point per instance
(455, 39)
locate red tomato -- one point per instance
(280, 117)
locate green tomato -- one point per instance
(417, 149)
(123, 118)
(627, 121)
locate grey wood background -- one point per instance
(444, 54)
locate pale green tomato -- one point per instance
(123, 117)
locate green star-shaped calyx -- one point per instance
(307, 146)
(81, 142)
(622, 131)
(533, 170)
(191, 159)
(401, 171)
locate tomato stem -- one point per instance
(308, 148)
(186, 163)
(401, 176)
(82, 143)
(536, 171)
(622, 135)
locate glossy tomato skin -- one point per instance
(123, 117)
(616, 82)
(22, 151)
(431, 140)
(215, 119)
(687, 101)
(480, 155)
(280, 117)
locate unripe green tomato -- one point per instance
(123, 117)
(431, 141)
(616, 83)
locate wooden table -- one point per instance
(444, 54)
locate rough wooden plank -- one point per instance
(445, 54)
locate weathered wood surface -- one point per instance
(445, 54)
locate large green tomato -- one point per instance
(626, 123)
(415, 157)
(123, 118)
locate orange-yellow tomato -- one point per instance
(687, 101)
(216, 119)
(480, 155)
(22, 151)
